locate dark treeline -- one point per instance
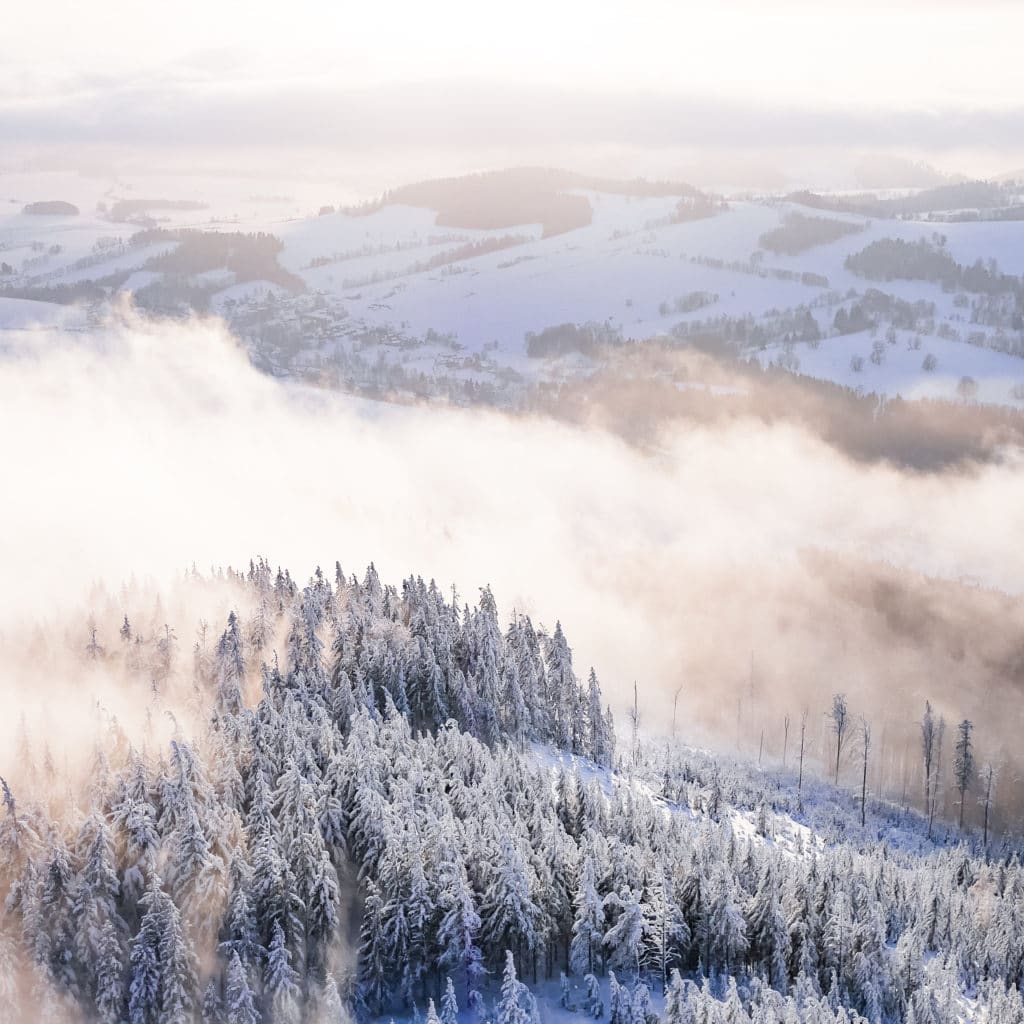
(635, 394)
(989, 198)
(798, 233)
(65, 294)
(468, 251)
(525, 195)
(51, 208)
(888, 259)
(138, 210)
(249, 256)
(875, 307)
(588, 339)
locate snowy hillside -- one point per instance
(375, 802)
(389, 299)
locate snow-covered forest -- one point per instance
(379, 801)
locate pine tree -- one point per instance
(239, 1003)
(510, 1008)
(599, 743)
(177, 972)
(449, 1004)
(724, 928)
(565, 993)
(144, 978)
(212, 1010)
(507, 912)
(593, 1004)
(767, 930)
(459, 925)
(229, 668)
(676, 1001)
(665, 932)
(110, 988)
(562, 687)
(963, 763)
(641, 1011)
(585, 956)
(239, 934)
(280, 979)
(619, 1007)
(623, 939)
(373, 986)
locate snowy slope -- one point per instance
(386, 285)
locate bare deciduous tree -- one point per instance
(989, 778)
(840, 726)
(865, 737)
(940, 732)
(634, 721)
(800, 775)
(928, 727)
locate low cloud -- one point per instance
(460, 115)
(752, 565)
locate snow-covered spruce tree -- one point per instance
(239, 1001)
(666, 934)
(449, 1004)
(110, 975)
(593, 1004)
(620, 1010)
(511, 1008)
(586, 955)
(507, 911)
(561, 688)
(624, 937)
(459, 926)
(281, 980)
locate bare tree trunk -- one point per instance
(937, 774)
(785, 740)
(989, 781)
(865, 728)
(880, 763)
(927, 752)
(840, 724)
(635, 722)
(800, 776)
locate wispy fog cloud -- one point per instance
(142, 449)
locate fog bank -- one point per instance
(143, 448)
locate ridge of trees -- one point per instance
(380, 792)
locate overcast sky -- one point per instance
(115, 69)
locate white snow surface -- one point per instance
(624, 270)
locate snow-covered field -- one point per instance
(996, 374)
(396, 288)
